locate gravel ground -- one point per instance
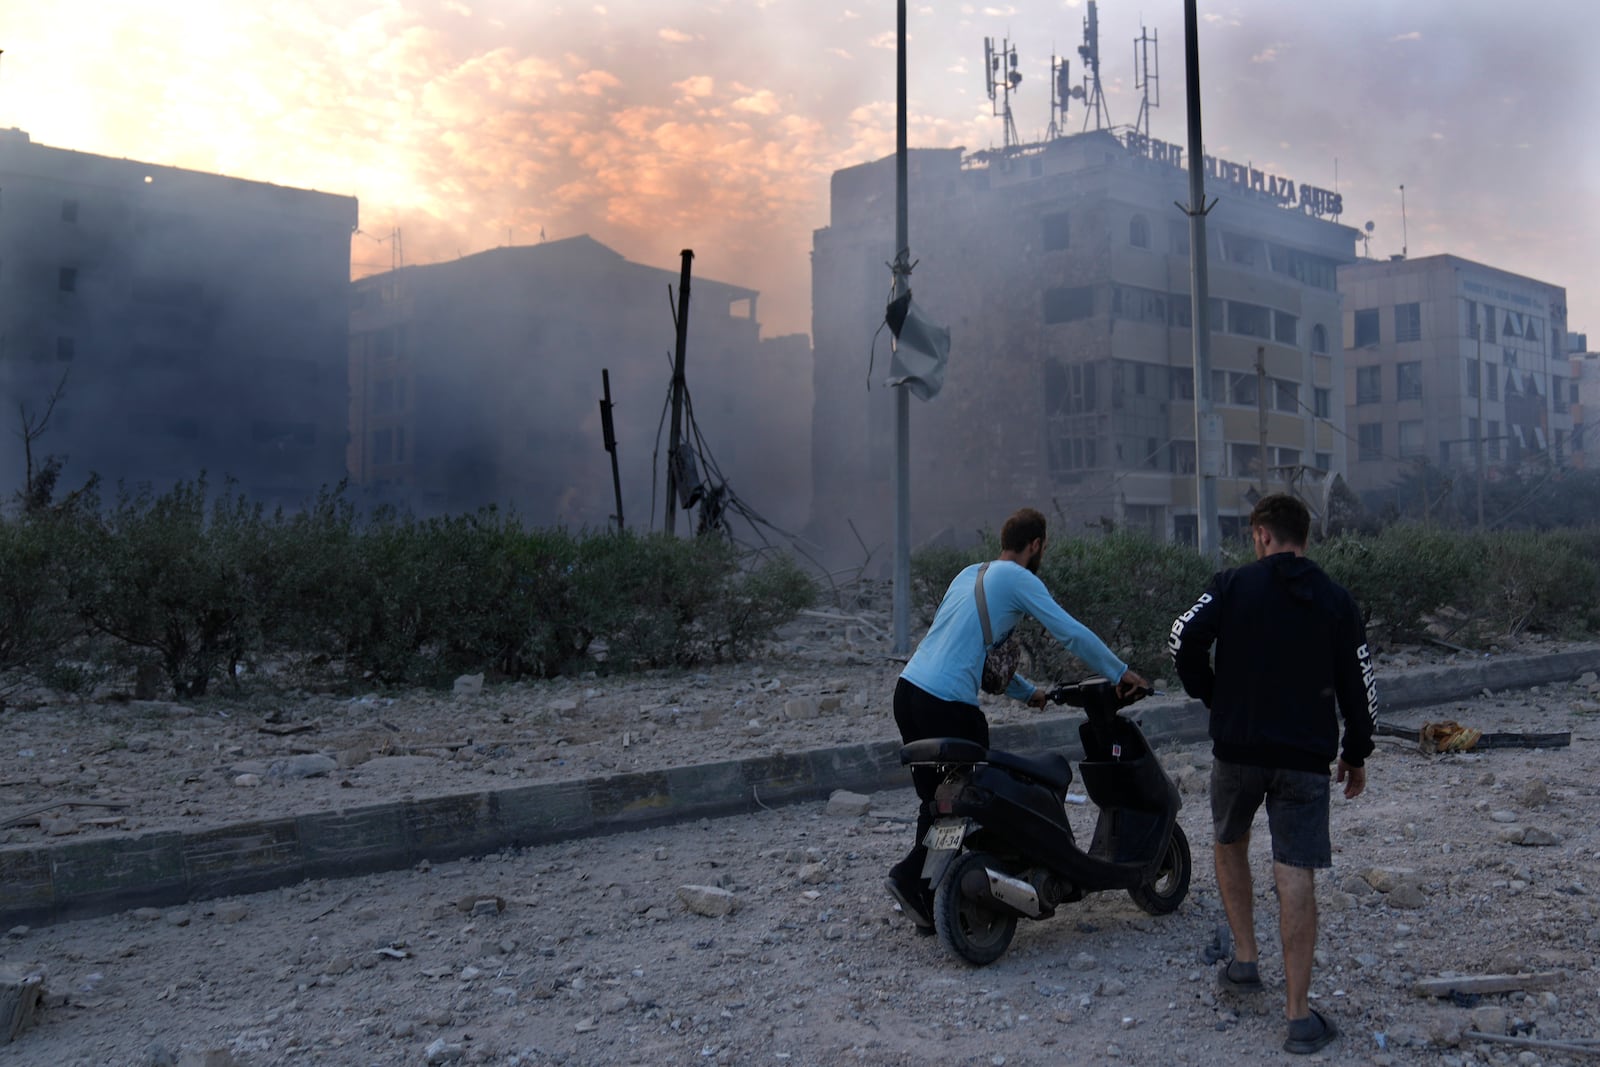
(586, 952)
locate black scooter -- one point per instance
(1001, 848)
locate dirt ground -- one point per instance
(587, 953)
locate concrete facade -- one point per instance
(478, 382)
(1415, 332)
(199, 322)
(1585, 398)
(1062, 270)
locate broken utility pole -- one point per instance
(609, 434)
(674, 438)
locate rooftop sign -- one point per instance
(1320, 203)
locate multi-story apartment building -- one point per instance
(478, 381)
(1453, 363)
(198, 321)
(1584, 393)
(1063, 272)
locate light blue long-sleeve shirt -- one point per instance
(948, 663)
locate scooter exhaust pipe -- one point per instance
(1005, 890)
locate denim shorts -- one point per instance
(1297, 810)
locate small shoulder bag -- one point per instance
(999, 660)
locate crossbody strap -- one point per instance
(983, 610)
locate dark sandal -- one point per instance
(1310, 1034)
(911, 906)
(1248, 981)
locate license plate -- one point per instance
(946, 836)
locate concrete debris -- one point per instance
(708, 900)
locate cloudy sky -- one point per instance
(657, 125)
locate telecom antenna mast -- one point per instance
(1090, 54)
(1000, 72)
(1147, 77)
(1061, 90)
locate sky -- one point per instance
(658, 125)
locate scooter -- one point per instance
(1001, 848)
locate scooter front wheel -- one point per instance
(1163, 893)
(977, 932)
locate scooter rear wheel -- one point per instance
(977, 932)
(1163, 894)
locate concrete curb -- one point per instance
(41, 884)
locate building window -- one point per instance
(1285, 396)
(1323, 461)
(1366, 331)
(1057, 232)
(1407, 322)
(1138, 379)
(1322, 403)
(1234, 387)
(1491, 381)
(1068, 388)
(1369, 385)
(1488, 323)
(1249, 320)
(1244, 461)
(1472, 378)
(1411, 443)
(1319, 339)
(388, 395)
(1493, 439)
(1071, 454)
(1558, 393)
(382, 446)
(1240, 251)
(1285, 328)
(1408, 381)
(1152, 453)
(1369, 439)
(1139, 232)
(1287, 457)
(69, 211)
(68, 279)
(1180, 386)
(1068, 305)
(1180, 457)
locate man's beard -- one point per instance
(1034, 560)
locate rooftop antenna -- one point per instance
(1000, 72)
(1147, 77)
(1404, 244)
(1366, 240)
(1061, 90)
(1089, 52)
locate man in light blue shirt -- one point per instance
(937, 693)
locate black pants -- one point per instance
(919, 714)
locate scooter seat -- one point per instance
(1053, 769)
(942, 750)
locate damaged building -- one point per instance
(1062, 271)
(198, 322)
(478, 381)
(1453, 363)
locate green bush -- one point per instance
(1404, 576)
(1125, 587)
(37, 621)
(1543, 582)
(154, 579)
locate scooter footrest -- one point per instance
(943, 750)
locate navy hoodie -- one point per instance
(1290, 646)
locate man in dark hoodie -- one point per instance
(1290, 646)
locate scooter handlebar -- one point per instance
(1097, 694)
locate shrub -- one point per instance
(1403, 576)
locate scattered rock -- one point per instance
(467, 686)
(442, 1051)
(708, 900)
(307, 766)
(247, 781)
(843, 802)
